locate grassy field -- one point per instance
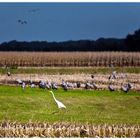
(68, 70)
(97, 107)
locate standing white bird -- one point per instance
(59, 104)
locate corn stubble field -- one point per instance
(63, 130)
(18, 108)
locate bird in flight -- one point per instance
(22, 21)
(34, 10)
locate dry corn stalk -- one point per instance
(9, 129)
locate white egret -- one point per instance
(59, 104)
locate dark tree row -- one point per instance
(133, 41)
(130, 43)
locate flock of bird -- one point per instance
(22, 22)
(66, 85)
(124, 87)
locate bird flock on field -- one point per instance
(67, 85)
(124, 87)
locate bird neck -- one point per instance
(53, 96)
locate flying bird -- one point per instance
(22, 21)
(59, 104)
(34, 10)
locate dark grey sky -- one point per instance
(67, 21)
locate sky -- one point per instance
(67, 21)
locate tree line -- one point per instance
(130, 43)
